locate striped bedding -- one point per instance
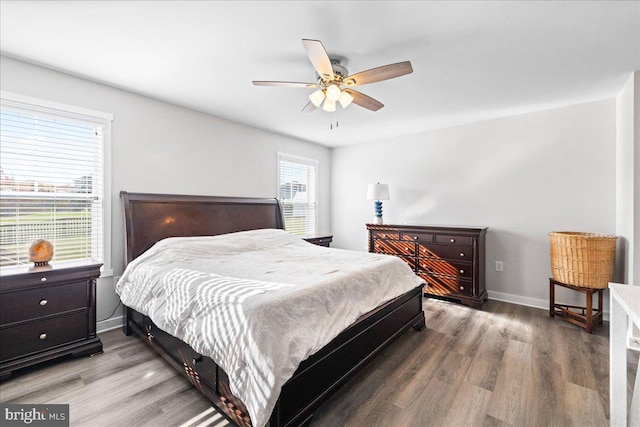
(258, 302)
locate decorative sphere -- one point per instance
(41, 252)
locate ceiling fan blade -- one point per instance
(284, 84)
(379, 74)
(318, 56)
(309, 108)
(364, 101)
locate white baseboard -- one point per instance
(109, 324)
(530, 302)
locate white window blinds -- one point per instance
(297, 184)
(51, 183)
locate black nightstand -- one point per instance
(319, 240)
(47, 313)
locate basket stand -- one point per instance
(585, 317)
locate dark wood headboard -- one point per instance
(152, 217)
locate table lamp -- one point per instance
(377, 192)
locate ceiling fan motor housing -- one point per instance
(338, 70)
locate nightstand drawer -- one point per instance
(45, 301)
(19, 341)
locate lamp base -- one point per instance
(377, 220)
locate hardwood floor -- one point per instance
(506, 365)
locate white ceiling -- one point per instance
(472, 60)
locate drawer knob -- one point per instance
(43, 279)
(384, 235)
(462, 254)
(196, 360)
(453, 240)
(415, 237)
(44, 302)
(462, 288)
(461, 271)
(43, 336)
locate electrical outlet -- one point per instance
(499, 266)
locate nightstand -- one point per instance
(47, 313)
(319, 240)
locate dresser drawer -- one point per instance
(42, 335)
(416, 236)
(446, 285)
(454, 240)
(34, 303)
(446, 252)
(386, 235)
(450, 268)
(393, 247)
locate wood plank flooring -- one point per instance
(506, 365)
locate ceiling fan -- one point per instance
(335, 84)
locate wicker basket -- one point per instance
(582, 259)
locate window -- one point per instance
(297, 192)
(52, 181)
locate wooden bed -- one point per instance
(152, 217)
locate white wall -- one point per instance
(628, 187)
(163, 148)
(627, 181)
(521, 176)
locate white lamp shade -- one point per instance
(333, 92)
(329, 105)
(378, 192)
(317, 97)
(345, 99)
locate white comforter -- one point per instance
(258, 302)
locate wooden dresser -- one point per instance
(451, 260)
(47, 313)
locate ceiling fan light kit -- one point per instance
(317, 97)
(345, 99)
(335, 84)
(329, 106)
